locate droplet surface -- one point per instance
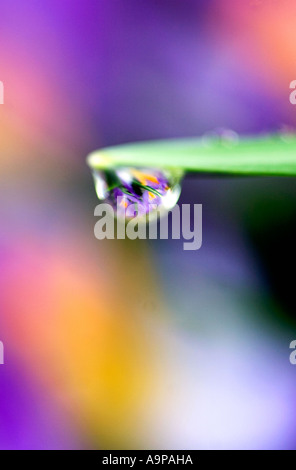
(138, 191)
(287, 133)
(223, 136)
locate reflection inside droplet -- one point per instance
(138, 191)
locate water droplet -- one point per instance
(225, 137)
(287, 133)
(138, 191)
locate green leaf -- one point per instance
(265, 155)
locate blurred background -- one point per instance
(141, 345)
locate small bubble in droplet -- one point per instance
(225, 137)
(138, 191)
(287, 133)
